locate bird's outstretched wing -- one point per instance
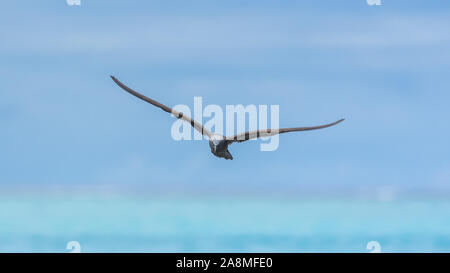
(271, 132)
(197, 126)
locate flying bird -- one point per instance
(219, 143)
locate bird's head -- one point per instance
(217, 143)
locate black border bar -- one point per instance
(225, 262)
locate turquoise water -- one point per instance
(116, 223)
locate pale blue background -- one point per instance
(82, 160)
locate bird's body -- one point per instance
(219, 146)
(218, 143)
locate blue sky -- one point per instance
(384, 68)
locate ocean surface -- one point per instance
(130, 223)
